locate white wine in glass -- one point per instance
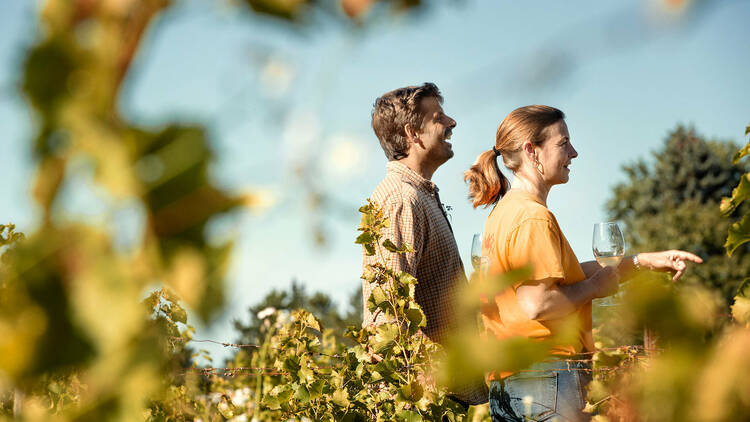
(476, 251)
(608, 246)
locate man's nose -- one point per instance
(575, 153)
(451, 122)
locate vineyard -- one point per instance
(94, 331)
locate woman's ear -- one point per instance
(529, 150)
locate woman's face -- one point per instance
(556, 153)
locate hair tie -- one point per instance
(497, 153)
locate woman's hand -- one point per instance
(668, 261)
(608, 280)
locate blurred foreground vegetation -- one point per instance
(91, 330)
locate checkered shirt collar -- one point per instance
(410, 176)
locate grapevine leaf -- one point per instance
(178, 313)
(739, 233)
(411, 392)
(416, 318)
(390, 246)
(340, 398)
(306, 375)
(385, 370)
(302, 394)
(151, 301)
(744, 289)
(385, 337)
(406, 278)
(365, 238)
(377, 299)
(741, 153)
(409, 416)
(369, 249)
(739, 194)
(741, 310)
(316, 389)
(312, 322)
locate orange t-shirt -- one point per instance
(521, 231)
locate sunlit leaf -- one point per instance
(416, 319)
(409, 416)
(739, 233)
(742, 152)
(739, 194)
(340, 398)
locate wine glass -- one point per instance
(608, 245)
(476, 251)
(478, 261)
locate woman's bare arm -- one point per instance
(664, 261)
(546, 300)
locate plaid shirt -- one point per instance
(417, 217)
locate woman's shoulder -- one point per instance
(518, 208)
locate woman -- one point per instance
(534, 144)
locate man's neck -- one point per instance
(423, 169)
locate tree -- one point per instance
(319, 304)
(673, 203)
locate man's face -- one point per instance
(436, 129)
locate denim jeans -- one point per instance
(554, 391)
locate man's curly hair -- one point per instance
(393, 110)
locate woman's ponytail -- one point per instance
(487, 184)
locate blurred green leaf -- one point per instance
(409, 416)
(340, 398)
(365, 238)
(739, 155)
(739, 233)
(739, 194)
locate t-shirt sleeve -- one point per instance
(538, 244)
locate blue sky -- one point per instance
(623, 72)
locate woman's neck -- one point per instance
(532, 184)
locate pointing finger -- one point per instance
(688, 257)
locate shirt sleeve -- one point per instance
(538, 244)
(407, 225)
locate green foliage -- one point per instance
(700, 371)
(670, 202)
(302, 370)
(279, 302)
(9, 236)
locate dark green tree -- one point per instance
(296, 297)
(672, 202)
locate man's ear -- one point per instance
(411, 134)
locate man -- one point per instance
(414, 131)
